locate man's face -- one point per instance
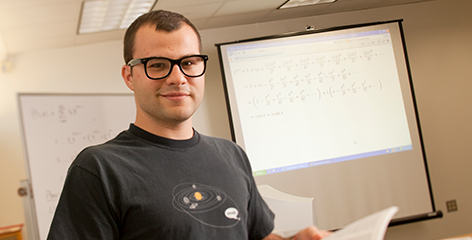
(171, 100)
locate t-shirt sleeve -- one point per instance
(83, 211)
(261, 218)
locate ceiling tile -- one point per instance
(34, 37)
(23, 4)
(304, 11)
(39, 15)
(246, 6)
(196, 12)
(63, 28)
(100, 37)
(349, 5)
(189, 4)
(233, 20)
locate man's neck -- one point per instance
(176, 131)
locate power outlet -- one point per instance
(451, 206)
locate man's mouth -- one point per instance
(176, 96)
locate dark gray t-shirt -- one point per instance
(142, 186)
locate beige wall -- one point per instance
(438, 37)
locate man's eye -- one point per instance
(157, 65)
(187, 63)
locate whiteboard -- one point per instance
(55, 129)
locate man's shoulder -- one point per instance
(223, 145)
(98, 151)
(123, 138)
(217, 140)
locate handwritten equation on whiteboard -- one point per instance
(56, 128)
(60, 114)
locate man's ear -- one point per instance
(126, 74)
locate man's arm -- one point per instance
(83, 211)
(310, 233)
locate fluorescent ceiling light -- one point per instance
(301, 3)
(105, 15)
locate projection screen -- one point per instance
(330, 115)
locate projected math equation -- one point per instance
(284, 81)
(305, 90)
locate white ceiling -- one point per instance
(32, 25)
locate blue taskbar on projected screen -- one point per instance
(332, 160)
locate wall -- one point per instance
(438, 37)
(83, 69)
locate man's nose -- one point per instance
(176, 76)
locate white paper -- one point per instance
(372, 227)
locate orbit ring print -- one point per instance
(206, 204)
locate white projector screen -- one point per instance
(330, 115)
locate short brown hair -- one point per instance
(162, 20)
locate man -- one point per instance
(160, 179)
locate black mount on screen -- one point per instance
(416, 218)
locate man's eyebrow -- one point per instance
(185, 56)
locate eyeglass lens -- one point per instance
(193, 66)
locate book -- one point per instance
(10, 229)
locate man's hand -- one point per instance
(310, 233)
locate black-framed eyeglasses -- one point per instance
(160, 67)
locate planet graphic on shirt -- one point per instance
(206, 204)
